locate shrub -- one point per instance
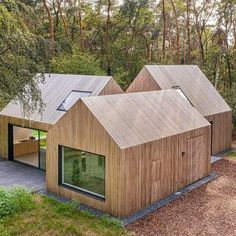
(74, 204)
(109, 220)
(15, 200)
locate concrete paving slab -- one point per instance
(16, 174)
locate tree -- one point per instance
(77, 63)
(51, 28)
(90, 36)
(164, 29)
(22, 55)
(177, 33)
(188, 27)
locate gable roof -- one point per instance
(194, 84)
(136, 118)
(54, 91)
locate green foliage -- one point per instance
(50, 217)
(87, 41)
(109, 220)
(74, 204)
(14, 201)
(232, 155)
(22, 55)
(76, 63)
(230, 97)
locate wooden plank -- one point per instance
(143, 82)
(221, 131)
(25, 148)
(111, 88)
(156, 169)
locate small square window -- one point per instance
(71, 99)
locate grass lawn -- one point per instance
(49, 217)
(232, 155)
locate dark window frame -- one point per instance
(77, 189)
(76, 91)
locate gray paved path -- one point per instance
(15, 174)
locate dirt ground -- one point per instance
(208, 210)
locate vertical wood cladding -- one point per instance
(221, 131)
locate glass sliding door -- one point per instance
(42, 150)
(27, 146)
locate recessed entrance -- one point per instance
(211, 122)
(27, 146)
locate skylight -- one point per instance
(71, 99)
(182, 94)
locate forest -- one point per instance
(114, 37)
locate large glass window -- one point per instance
(82, 170)
(71, 99)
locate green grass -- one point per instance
(45, 216)
(232, 155)
(14, 201)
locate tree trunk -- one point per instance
(81, 30)
(200, 44)
(217, 76)
(107, 49)
(228, 66)
(188, 31)
(63, 19)
(164, 30)
(177, 34)
(234, 29)
(147, 47)
(51, 30)
(227, 52)
(56, 21)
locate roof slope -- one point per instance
(194, 84)
(136, 118)
(55, 89)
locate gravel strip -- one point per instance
(208, 210)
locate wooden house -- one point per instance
(193, 86)
(119, 153)
(24, 140)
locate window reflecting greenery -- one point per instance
(83, 170)
(42, 149)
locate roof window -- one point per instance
(71, 99)
(181, 92)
